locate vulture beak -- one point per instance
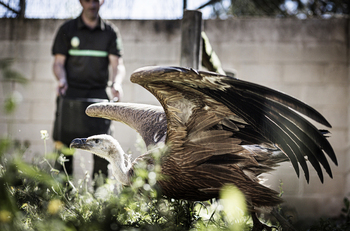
(78, 143)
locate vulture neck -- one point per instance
(120, 167)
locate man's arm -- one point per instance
(60, 73)
(118, 74)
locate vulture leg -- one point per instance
(259, 226)
(284, 223)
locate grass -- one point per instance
(37, 197)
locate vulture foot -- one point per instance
(259, 226)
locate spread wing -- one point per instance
(210, 115)
(148, 120)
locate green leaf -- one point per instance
(67, 151)
(12, 75)
(34, 173)
(4, 145)
(10, 105)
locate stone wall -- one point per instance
(305, 58)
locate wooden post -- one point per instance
(22, 9)
(191, 38)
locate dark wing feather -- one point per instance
(267, 111)
(281, 98)
(280, 124)
(282, 106)
(148, 120)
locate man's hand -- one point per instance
(118, 74)
(117, 92)
(62, 87)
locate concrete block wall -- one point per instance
(28, 42)
(307, 59)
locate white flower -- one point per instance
(44, 134)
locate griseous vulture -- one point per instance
(219, 130)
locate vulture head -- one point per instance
(105, 146)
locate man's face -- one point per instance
(91, 8)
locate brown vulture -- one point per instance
(219, 130)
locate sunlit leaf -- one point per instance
(35, 173)
(234, 205)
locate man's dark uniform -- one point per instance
(86, 66)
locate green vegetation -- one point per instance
(32, 198)
(38, 197)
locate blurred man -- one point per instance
(83, 50)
